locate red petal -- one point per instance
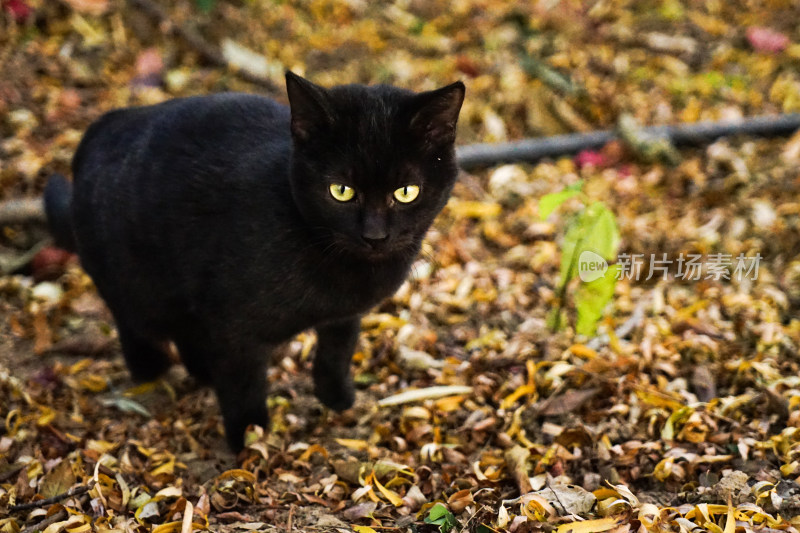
(18, 9)
(590, 157)
(767, 40)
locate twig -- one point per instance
(551, 77)
(12, 265)
(563, 507)
(43, 524)
(547, 401)
(208, 51)
(75, 491)
(562, 291)
(22, 210)
(11, 472)
(290, 519)
(695, 134)
(471, 156)
(625, 328)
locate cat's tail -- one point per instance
(57, 201)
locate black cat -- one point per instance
(229, 223)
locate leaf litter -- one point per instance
(681, 414)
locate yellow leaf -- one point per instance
(79, 366)
(363, 529)
(46, 417)
(102, 446)
(167, 468)
(730, 522)
(449, 404)
(237, 474)
(469, 209)
(389, 494)
(169, 527)
(583, 351)
(659, 399)
(604, 493)
(93, 383)
(142, 388)
(663, 469)
(589, 526)
(382, 321)
(354, 444)
(522, 390)
(314, 448)
(169, 492)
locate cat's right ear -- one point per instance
(436, 113)
(311, 110)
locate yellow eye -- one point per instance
(343, 193)
(407, 194)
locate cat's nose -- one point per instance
(375, 242)
(374, 229)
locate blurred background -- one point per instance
(687, 382)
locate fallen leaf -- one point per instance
(89, 7)
(425, 394)
(767, 40)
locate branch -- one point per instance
(75, 491)
(22, 211)
(208, 51)
(472, 156)
(43, 524)
(695, 134)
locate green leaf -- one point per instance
(205, 5)
(577, 186)
(441, 516)
(126, 405)
(591, 299)
(601, 233)
(593, 229)
(551, 202)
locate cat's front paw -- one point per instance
(335, 396)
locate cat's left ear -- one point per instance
(435, 114)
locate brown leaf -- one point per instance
(58, 480)
(517, 463)
(358, 511)
(703, 383)
(568, 402)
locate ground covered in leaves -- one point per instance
(682, 414)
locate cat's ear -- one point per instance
(435, 113)
(311, 109)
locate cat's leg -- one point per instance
(238, 373)
(241, 388)
(333, 384)
(194, 358)
(144, 358)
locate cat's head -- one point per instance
(372, 166)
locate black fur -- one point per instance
(57, 195)
(208, 221)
